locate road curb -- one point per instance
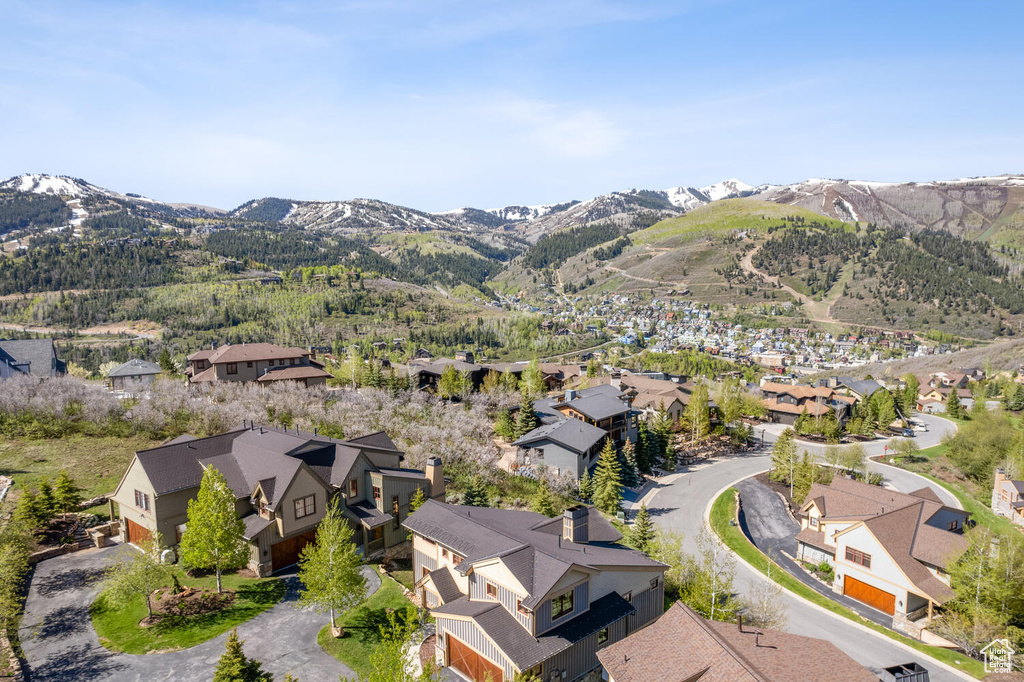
(762, 576)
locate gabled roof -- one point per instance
(251, 352)
(37, 357)
(683, 647)
(574, 434)
(596, 407)
(135, 367)
(482, 533)
(443, 583)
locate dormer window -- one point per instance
(492, 590)
(814, 522)
(562, 605)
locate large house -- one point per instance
(786, 402)
(574, 426)
(282, 480)
(1008, 498)
(261, 362)
(516, 592)
(890, 550)
(34, 357)
(134, 371)
(685, 647)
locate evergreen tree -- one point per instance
(329, 567)
(641, 534)
(630, 475)
(544, 501)
(803, 477)
(418, 498)
(803, 422)
(373, 378)
(214, 534)
(235, 666)
(954, 408)
(166, 363)
(47, 500)
(644, 448)
(608, 480)
(66, 494)
(29, 510)
(476, 494)
(586, 486)
(526, 420)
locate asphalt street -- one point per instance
(680, 502)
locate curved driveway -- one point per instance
(60, 643)
(679, 503)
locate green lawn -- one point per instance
(118, 628)
(362, 627)
(724, 509)
(96, 463)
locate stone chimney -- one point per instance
(1000, 477)
(616, 381)
(435, 474)
(574, 524)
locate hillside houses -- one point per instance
(259, 362)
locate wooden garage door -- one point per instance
(286, 553)
(137, 534)
(870, 595)
(470, 663)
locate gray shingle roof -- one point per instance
(574, 434)
(37, 357)
(254, 524)
(367, 514)
(444, 583)
(598, 407)
(479, 533)
(134, 368)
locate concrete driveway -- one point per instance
(679, 503)
(60, 643)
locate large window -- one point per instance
(304, 506)
(376, 492)
(858, 557)
(353, 487)
(561, 605)
(232, 368)
(141, 500)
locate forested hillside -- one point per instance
(21, 210)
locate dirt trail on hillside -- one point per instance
(139, 330)
(818, 311)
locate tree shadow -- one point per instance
(367, 625)
(64, 622)
(269, 592)
(81, 662)
(70, 579)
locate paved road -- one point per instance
(60, 643)
(679, 502)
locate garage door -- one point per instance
(286, 553)
(470, 663)
(870, 595)
(137, 535)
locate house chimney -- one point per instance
(435, 474)
(616, 380)
(574, 524)
(570, 394)
(1000, 477)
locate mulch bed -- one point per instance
(427, 651)
(57, 531)
(190, 601)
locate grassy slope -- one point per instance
(118, 628)
(724, 509)
(362, 627)
(1002, 355)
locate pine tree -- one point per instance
(235, 666)
(505, 426)
(641, 534)
(214, 534)
(47, 501)
(803, 477)
(476, 494)
(608, 480)
(29, 511)
(586, 486)
(418, 498)
(630, 476)
(544, 501)
(526, 420)
(66, 494)
(329, 567)
(954, 408)
(644, 454)
(374, 378)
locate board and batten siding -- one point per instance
(508, 598)
(580, 603)
(420, 561)
(581, 657)
(649, 605)
(467, 632)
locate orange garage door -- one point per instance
(286, 552)
(137, 535)
(470, 663)
(872, 596)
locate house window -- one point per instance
(353, 487)
(814, 522)
(249, 365)
(858, 557)
(292, 361)
(654, 583)
(492, 590)
(444, 553)
(602, 637)
(953, 525)
(376, 492)
(561, 605)
(304, 506)
(520, 608)
(232, 368)
(270, 362)
(142, 500)
(179, 531)
(456, 559)
(395, 511)
(628, 596)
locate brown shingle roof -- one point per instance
(681, 646)
(294, 373)
(250, 352)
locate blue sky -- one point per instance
(440, 104)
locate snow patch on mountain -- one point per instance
(727, 189)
